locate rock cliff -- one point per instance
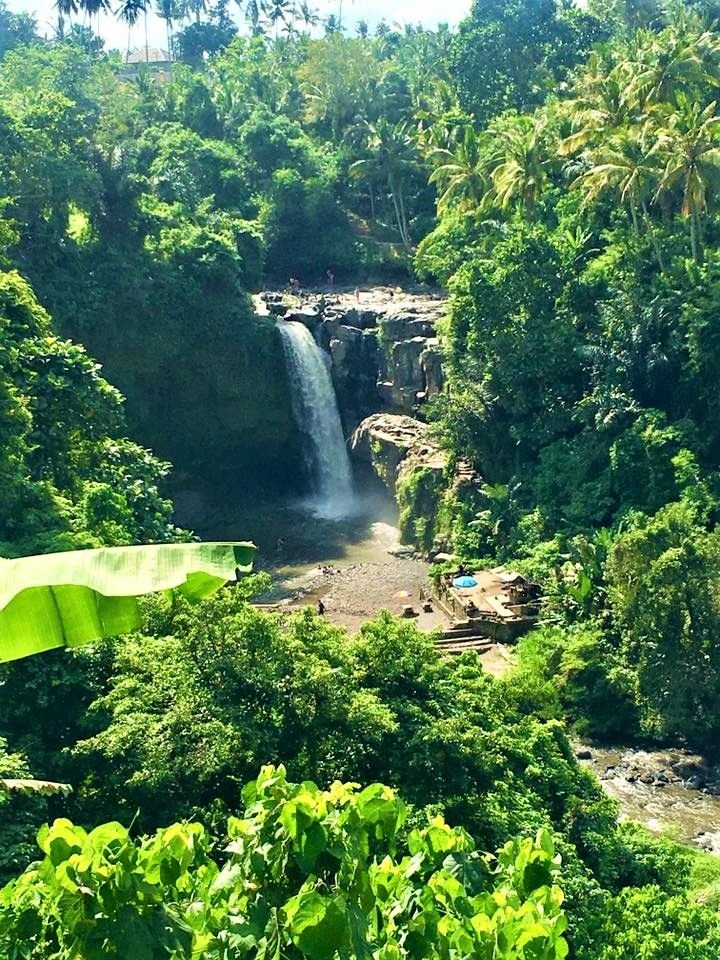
(393, 445)
(382, 346)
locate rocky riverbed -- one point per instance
(672, 792)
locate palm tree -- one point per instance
(394, 154)
(253, 11)
(600, 104)
(308, 15)
(461, 173)
(520, 163)
(622, 163)
(166, 10)
(279, 12)
(687, 145)
(129, 11)
(684, 56)
(65, 8)
(95, 8)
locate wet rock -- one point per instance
(307, 315)
(354, 354)
(584, 754)
(688, 768)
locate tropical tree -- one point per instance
(129, 11)
(167, 11)
(461, 173)
(519, 164)
(688, 146)
(622, 163)
(393, 155)
(684, 57)
(599, 104)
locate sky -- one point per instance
(427, 12)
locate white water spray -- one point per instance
(316, 412)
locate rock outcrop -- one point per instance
(394, 444)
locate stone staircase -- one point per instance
(463, 636)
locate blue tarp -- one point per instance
(464, 582)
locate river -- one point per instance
(656, 788)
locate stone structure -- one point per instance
(151, 61)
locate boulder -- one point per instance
(392, 443)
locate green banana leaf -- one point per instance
(68, 599)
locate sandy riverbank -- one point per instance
(355, 593)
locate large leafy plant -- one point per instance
(311, 873)
(72, 598)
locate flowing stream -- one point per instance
(316, 412)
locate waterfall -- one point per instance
(316, 411)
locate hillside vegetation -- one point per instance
(556, 168)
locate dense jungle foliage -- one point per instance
(557, 169)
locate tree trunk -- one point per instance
(406, 231)
(633, 212)
(398, 218)
(693, 238)
(653, 237)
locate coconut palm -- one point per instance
(688, 147)
(393, 156)
(623, 164)
(600, 104)
(167, 11)
(308, 15)
(129, 11)
(461, 173)
(519, 165)
(685, 56)
(65, 8)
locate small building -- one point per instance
(150, 60)
(499, 604)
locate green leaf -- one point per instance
(68, 599)
(320, 926)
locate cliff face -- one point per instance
(211, 397)
(383, 348)
(394, 445)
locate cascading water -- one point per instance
(316, 412)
